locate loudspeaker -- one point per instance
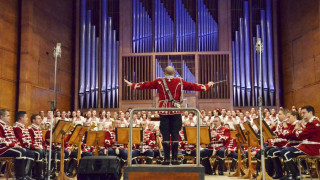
(99, 168)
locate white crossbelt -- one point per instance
(309, 142)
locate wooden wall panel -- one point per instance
(44, 24)
(8, 54)
(300, 52)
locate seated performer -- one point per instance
(11, 147)
(170, 122)
(149, 142)
(37, 139)
(232, 152)
(220, 137)
(273, 163)
(85, 151)
(115, 149)
(56, 153)
(190, 150)
(310, 145)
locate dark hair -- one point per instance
(308, 108)
(19, 115)
(33, 117)
(294, 113)
(3, 112)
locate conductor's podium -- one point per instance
(169, 172)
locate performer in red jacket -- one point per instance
(11, 147)
(310, 145)
(37, 141)
(170, 90)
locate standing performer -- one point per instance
(170, 94)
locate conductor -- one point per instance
(170, 90)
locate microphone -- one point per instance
(57, 51)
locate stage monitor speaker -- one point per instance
(99, 168)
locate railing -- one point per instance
(165, 109)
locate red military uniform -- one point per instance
(222, 138)
(7, 138)
(56, 145)
(36, 135)
(280, 139)
(23, 136)
(310, 137)
(174, 85)
(149, 140)
(232, 145)
(110, 140)
(290, 135)
(181, 141)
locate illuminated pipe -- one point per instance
(109, 61)
(97, 72)
(242, 63)
(255, 72)
(114, 63)
(117, 74)
(264, 58)
(88, 58)
(104, 53)
(237, 54)
(134, 21)
(234, 84)
(270, 51)
(82, 52)
(247, 53)
(93, 66)
(156, 26)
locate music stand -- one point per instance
(59, 132)
(240, 138)
(267, 134)
(190, 135)
(95, 138)
(266, 131)
(76, 138)
(252, 139)
(122, 136)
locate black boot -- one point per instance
(37, 172)
(58, 166)
(215, 165)
(294, 169)
(221, 166)
(175, 160)
(28, 169)
(258, 167)
(303, 163)
(134, 161)
(19, 167)
(289, 171)
(66, 164)
(269, 166)
(207, 166)
(72, 166)
(149, 160)
(166, 150)
(233, 165)
(278, 171)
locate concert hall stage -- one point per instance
(168, 172)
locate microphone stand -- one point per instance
(259, 48)
(56, 54)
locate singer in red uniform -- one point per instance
(170, 90)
